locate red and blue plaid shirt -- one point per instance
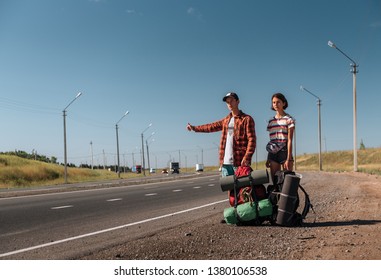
(244, 139)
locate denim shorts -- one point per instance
(227, 170)
(280, 157)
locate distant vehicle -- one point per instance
(199, 167)
(164, 171)
(138, 169)
(152, 170)
(174, 167)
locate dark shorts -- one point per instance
(280, 157)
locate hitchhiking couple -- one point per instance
(238, 139)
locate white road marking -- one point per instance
(109, 229)
(211, 185)
(198, 187)
(177, 190)
(114, 199)
(62, 207)
(150, 194)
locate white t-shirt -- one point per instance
(228, 158)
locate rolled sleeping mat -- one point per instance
(227, 183)
(259, 177)
(288, 199)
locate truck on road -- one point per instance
(174, 167)
(138, 169)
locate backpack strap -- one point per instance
(254, 195)
(307, 204)
(235, 192)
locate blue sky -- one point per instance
(170, 62)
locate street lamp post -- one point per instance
(149, 164)
(65, 146)
(117, 143)
(143, 163)
(318, 102)
(354, 70)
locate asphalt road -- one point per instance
(69, 224)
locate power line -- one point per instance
(19, 106)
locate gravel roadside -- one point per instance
(346, 226)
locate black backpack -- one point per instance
(274, 192)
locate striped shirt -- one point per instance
(244, 138)
(278, 128)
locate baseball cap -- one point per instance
(230, 94)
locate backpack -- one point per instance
(247, 193)
(244, 194)
(287, 201)
(250, 205)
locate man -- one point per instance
(238, 139)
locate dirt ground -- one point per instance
(346, 226)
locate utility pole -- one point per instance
(104, 160)
(92, 155)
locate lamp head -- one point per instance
(331, 44)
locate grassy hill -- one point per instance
(20, 172)
(369, 161)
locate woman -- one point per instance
(281, 130)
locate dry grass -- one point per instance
(369, 161)
(19, 172)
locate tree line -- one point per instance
(34, 155)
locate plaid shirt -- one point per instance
(244, 139)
